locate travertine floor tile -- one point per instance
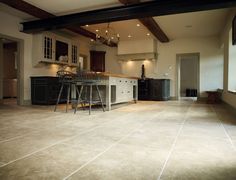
(147, 140)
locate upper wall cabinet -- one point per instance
(52, 48)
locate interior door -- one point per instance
(97, 61)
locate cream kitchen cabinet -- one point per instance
(52, 48)
(124, 89)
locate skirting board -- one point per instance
(26, 103)
(229, 107)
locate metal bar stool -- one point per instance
(88, 79)
(67, 79)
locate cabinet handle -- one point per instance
(126, 81)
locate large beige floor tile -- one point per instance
(53, 163)
(124, 162)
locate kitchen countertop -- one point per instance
(108, 74)
(105, 74)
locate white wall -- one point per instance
(228, 97)
(1, 71)
(211, 62)
(10, 26)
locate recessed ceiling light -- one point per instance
(138, 25)
(96, 30)
(148, 34)
(86, 25)
(91, 40)
(129, 36)
(112, 37)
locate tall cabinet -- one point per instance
(97, 61)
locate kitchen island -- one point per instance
(118, 89)
(115, 88)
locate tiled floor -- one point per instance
(147, 140)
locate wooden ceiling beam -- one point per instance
(155, 29)
(136, 11)
(41, 14)
(150, 23)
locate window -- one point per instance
(231, 65)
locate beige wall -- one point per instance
(228, 97)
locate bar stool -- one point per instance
(67, 79)
(88, 79)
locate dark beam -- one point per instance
(136, 11)
(155, 29)
(39, 13)
(150, 23)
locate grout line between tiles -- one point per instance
(67, 139)
(173, 146)
(58, 142)
(98, 155)
(10, 139)
(225, 131)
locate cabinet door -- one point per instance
(74, 54)
(97, 61)
(119, 90)
(48, 46)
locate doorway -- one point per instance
(10, 77)
(188, 76)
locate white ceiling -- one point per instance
(196, 24)
(59, 7)
(123, 28)
(202, 24)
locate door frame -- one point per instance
(20, 69)
(178, 73)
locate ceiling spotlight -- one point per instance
(91, 40)
(138, 25)
(112, 37)
(129, 36)
(96, 30)
(86, 25)
(148, 34)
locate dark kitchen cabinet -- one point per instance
(97, 61)
(154, 89)
(45, 90)
(143, 89)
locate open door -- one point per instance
(188, 76)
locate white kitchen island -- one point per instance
(116, 88)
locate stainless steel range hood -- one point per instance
(137, 50)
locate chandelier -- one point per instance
(107, 35)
